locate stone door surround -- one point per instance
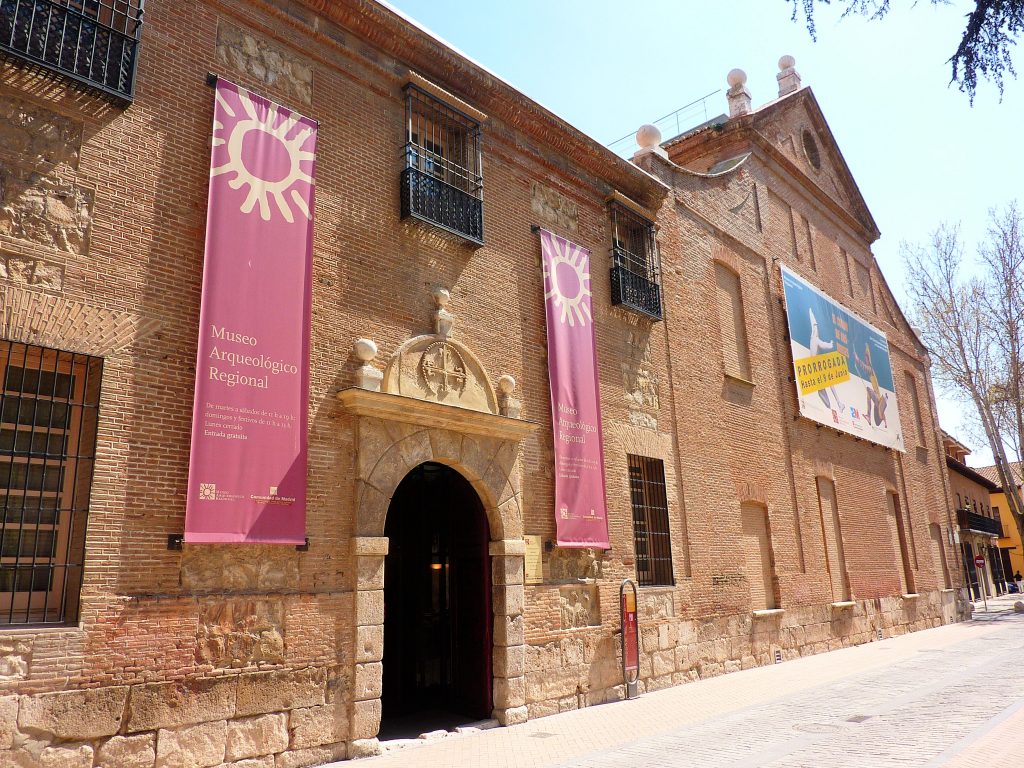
(395, 434)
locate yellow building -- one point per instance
(1009, 544)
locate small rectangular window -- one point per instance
(636, 269)
(651, 536)
(731, 323)
(48, 419)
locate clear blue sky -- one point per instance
(920, 153)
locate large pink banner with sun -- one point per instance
(580, 514)
(247, 472)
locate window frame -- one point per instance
(648, 494)
(61, 511)
(635, 261)
(442, 180)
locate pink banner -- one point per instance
(580, 512)
(247, 472)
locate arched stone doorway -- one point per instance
(394, 435)
(434, 403)
(437, 605)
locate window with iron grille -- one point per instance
(650, 521)
(48, 412)
(93, 42)
(636, 269)
(442, 181)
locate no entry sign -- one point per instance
(979, 561)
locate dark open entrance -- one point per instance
(437, 605)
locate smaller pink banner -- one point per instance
(580, 513)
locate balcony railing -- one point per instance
(636, 292)
(636, 268)
(94, 43)
(972, 521)
(426, 197)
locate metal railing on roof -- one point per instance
(674, 123)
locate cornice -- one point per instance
(431, 58)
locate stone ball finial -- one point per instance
(786, 62)
(507, 384)
(736, 78)
(365, 349)
(648, 136)
(441, 296)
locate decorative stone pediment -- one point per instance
(442, 370)
(437, 368)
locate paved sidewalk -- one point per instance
(951, 696)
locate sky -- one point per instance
(919, 151)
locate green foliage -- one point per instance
(985, 50)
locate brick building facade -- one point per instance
(756, 536)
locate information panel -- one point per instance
(841, 365)
(247, 470)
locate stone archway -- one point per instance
(437, 405)
(395, 434)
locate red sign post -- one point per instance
(979, 562)
(630, 637)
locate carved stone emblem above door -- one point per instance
(439, 368)
(443, 369)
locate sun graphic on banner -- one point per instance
(287, 152)
(568, 282)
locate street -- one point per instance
(951, 696)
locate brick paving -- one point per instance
(951, 696)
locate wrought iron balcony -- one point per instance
(636, 268)
(426, 197)
(972, 521)
(636, 292)
(94, 43)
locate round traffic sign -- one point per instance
(979, 562)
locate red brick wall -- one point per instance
(724, 442)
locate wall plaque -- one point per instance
(534, 559)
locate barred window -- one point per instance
(48, 412)
(650, 521)
(636, 268)
(442, 182)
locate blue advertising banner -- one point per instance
(842, 366)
